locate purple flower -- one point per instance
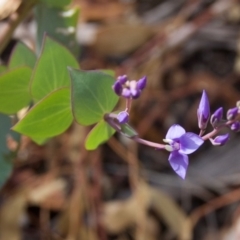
(232, 113)
(122, 79)
(129, 89)
(181, 144)
(220, 140)
(122, 117)
(203, 111)
(216, 116)
(235, 126)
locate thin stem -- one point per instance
(128, 105)
(148, 143)
(109, 119)
(201, 132)
(217, 130)
(211, 134)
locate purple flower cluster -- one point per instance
(129, 88)
(179, 142)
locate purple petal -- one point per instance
(232, 113)
(122, 117)
(217, 116)
(175, 131)
(179, 163)
(135, 93)
(122, 79)
(117, 87)
(142, 82)
(203, 111)
(190, 142)
(235, 126)
(126, 93)
(133, 84)
(220, 140)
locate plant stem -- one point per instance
(128, 105)
(149, 143)
(215, 131)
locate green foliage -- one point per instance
(58, 23)
(128, 131)
(49, 117)
(50, 72)
(5, 163)
(14, 90)
(22, 56)
(56, 3)
(2, 69)
(46, 81)
(98, 135)
(92, 95)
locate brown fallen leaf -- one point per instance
(100, 11)
(11, 213)
(172, 214)
(120, 39)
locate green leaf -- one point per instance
(56, 3)
(22, 56)
(92, 95)
(6, 168)
(50, 72)
(98, 135)
(128, 131)
(6, 165)
(49, 117)
(60, 24)
(2, 69)
(39, 141)
(14, 90)
(108, 71)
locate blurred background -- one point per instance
(126, 191)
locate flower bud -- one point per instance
(117, 87)
(216, 116)
(122, 117)
(203, 111)
(232, 113)
(141, 83)
(220, 140)
(122, 79)
(235, 126)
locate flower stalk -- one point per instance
(177, 141)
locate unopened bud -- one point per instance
(123, 117)
(117, 87)
(216, 116)
(235, 126)
(220, 140)
(141, 83)
(232, 113)
(122, 79)
(203, 111)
